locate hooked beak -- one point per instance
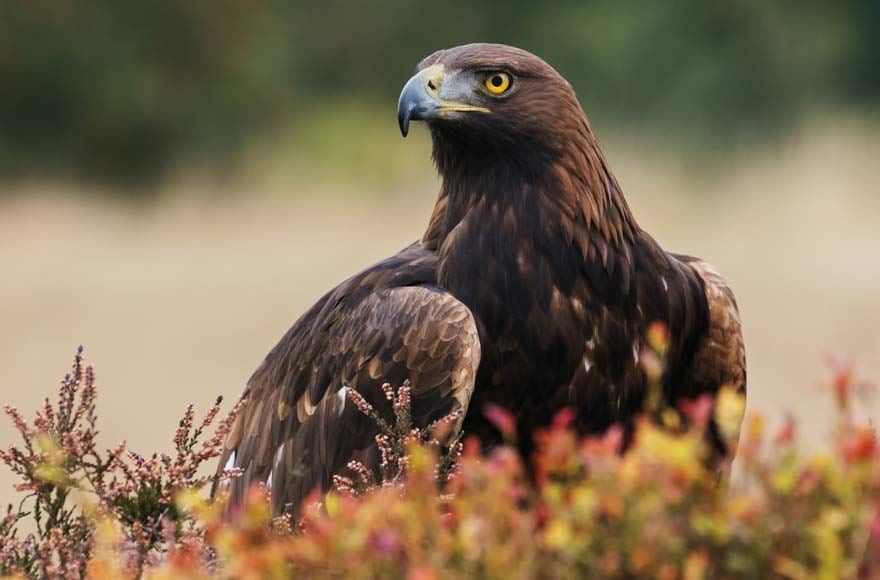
(420, 99)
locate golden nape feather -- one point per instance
(532, 288)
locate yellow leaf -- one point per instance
(53, 474)
(558, 534)
(333, 504)
(788, 568)
(695, 566)
(730, 406)
(784, 480)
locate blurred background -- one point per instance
(179, 181)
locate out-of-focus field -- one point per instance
(179, 300)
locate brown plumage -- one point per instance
(532, 288)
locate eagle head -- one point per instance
(490, 98)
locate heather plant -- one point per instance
(394, 441)
(69, 485)
(620, 505)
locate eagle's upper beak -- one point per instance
(422, 98)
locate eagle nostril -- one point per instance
(431, 85)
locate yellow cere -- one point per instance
(497, 82)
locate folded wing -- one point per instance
(298, 427)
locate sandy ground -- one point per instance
(178, 301)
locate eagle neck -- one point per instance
(567, 183)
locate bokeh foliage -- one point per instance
(586, 508)
(128, 88)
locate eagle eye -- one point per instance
(497, 83)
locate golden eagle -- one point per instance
(532, 288)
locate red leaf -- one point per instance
(785, 435)
(563, 418)
(698, 410)
(503, 420)
(422, 572)
(861, 446)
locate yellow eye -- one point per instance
(498, 82)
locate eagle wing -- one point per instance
(387, 324)
(719, 359)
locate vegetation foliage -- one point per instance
(589, 508)
(127, 89)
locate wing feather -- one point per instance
(297, 425)
(720, 357)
